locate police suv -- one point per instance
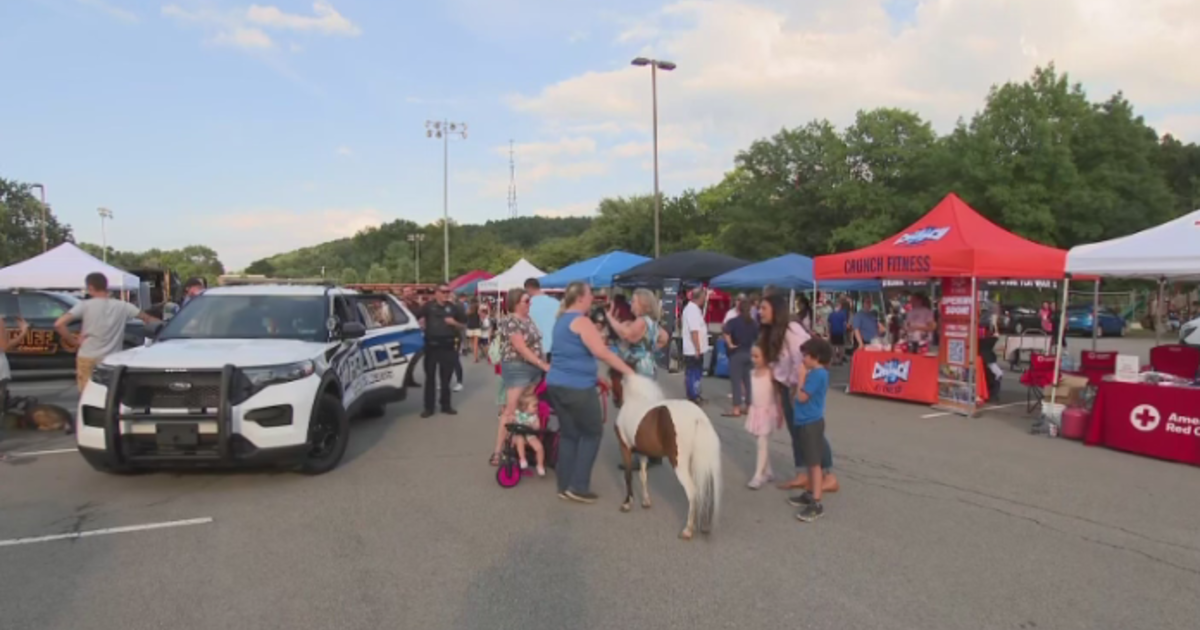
(247, 375)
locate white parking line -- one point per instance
(104, 532)
(980, 410)
(57, 451)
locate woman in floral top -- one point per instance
(522, 365)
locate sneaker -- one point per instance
(427, 413)
(581, 497)
(756, 483)
(801, 500)
(457, 387)
(810, 513)
(524, 465)
(563, 495)
(541, 471)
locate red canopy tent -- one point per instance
(469, 277)
(951, 241)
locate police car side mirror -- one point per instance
(353, 330)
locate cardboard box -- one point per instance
(1070, 388)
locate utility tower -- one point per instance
(512, 182)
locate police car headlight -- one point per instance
(102, 374)
(260, 377)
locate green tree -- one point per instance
(21, 224)
(378, 274)
(348, 276)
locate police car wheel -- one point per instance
(328, 436)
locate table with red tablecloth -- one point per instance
(902, 375)
(1153, 420)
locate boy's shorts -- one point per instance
(812, 441)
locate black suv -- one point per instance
(42, 348)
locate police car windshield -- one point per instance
(250, 317)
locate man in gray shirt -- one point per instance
(103, 330)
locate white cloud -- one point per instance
(242, 37)
(325, 19)
(344, 151)
(246, 28)
(745, 69)
(242, 237)
(113, 11)
(581, 209)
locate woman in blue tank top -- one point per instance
(572, 391)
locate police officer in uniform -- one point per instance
(443, 322)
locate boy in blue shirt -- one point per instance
(809, 418)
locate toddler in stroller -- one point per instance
(531, 431)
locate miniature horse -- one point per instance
(681, 433)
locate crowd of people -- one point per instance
(574, 353)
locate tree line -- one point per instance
(1039, 159)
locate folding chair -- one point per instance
(1178, 360)
(1096, 365)
(1035, 379)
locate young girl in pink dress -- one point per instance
(764, 415)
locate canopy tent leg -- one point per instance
(791, 301)
(813, 306)
(1095, 314)
(1159, 316)
(1062, 330)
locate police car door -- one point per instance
(393, 338)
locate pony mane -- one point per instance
(643, 390)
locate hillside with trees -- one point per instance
(1039, 159)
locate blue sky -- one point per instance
(257, 127)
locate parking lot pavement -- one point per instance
(942, 522)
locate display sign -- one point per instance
(38, 342)
(956, 361)
(1127, 368)
(670, 306)
(895, 375)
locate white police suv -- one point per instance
(249, 375)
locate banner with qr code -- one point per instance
(956, 365)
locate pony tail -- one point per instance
(571, 295)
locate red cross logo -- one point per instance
(1145, 418)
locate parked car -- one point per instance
(1079, 322)
(1018, 319)
(42, 348)
(1189, 333)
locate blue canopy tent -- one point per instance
(597, 272)
(789, 271)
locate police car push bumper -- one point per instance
(253, 419)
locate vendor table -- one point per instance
(1153, 420)
(902, 376)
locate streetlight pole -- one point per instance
(104, 213)
(655, 66)
(417, 238)
(41, 188)
(443, 130)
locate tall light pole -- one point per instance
(655, 66)
(41, 188)
(104, 213)
(416, 239)
(443, 130)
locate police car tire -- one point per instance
(329, 406)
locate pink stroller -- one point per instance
(508, 474)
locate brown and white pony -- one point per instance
(677, 431)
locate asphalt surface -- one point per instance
(942, 522)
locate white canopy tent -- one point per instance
(1169, 251)
(64, 267)
(513, 278)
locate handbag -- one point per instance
(494, 353)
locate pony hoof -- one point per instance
(685, 534)
(625, 507)
(645, 505)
